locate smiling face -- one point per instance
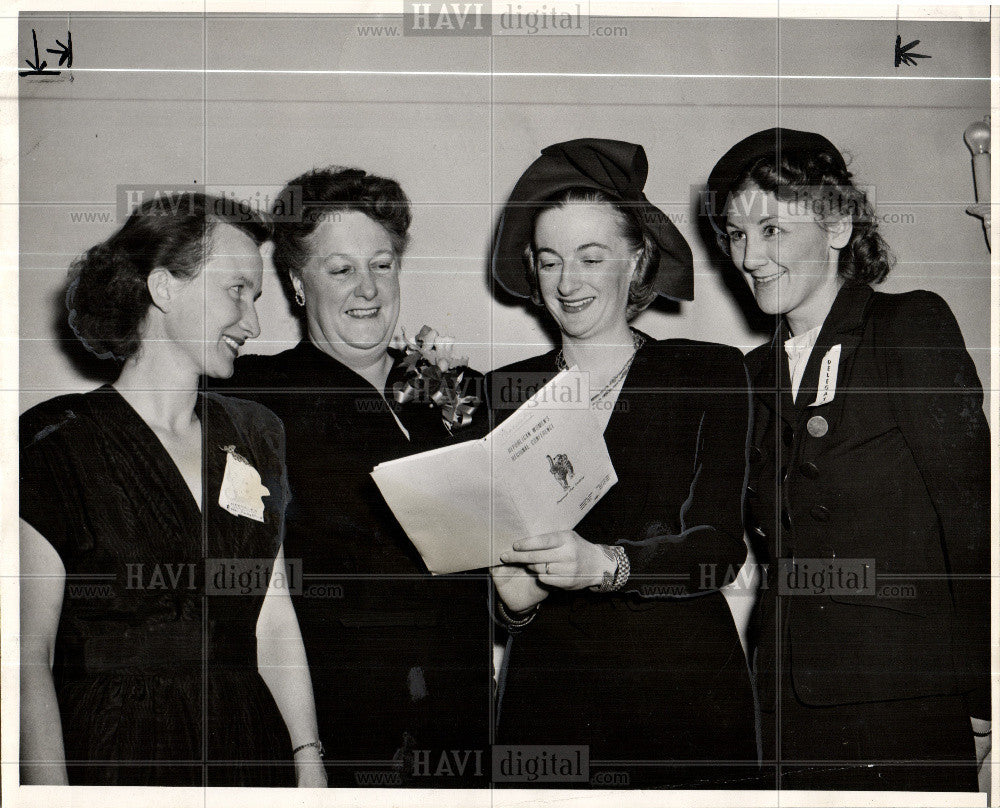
(584, 266)
(789, 256)
(351, 287)
(211, 315)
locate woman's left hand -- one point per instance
(309, 769)
(564, 559)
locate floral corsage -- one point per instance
(434, 377)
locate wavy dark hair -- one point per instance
(108, 297)
(324, 192)
(820, 178)
(640, 291)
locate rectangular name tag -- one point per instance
(828, 377)
(241, 492)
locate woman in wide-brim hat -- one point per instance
(621, 641)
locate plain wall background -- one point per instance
(458, 143)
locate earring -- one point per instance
(299, 297)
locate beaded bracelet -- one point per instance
(514, 622)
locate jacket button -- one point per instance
(786, 519)
(817, 426)
(820, 513)
(809, 471)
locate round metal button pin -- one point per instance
(817, 426)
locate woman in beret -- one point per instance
(621, 640)
(159, 646)
(868, 410)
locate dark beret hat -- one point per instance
(617, 168)
(767, 144)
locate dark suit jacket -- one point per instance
(895, 475)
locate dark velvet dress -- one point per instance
(155, 664)
(651, 680)
(400, 659)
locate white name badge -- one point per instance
(828, 377)
(242, 492)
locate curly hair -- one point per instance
(322, 193)
(821, 179)
(107, 295)
(641, 291)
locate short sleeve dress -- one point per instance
(155, 662)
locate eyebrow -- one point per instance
(578, 249)
(246, 279)
(761, 220)
(386, 251)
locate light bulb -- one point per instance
(977, 137)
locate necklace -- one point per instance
(638, 340)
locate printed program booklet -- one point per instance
(540, 471)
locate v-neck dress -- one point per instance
(400, 659)
(651, 680)
(155, 660)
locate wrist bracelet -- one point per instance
(612, 583)
(624, 568)
(982, 734)
(317, 744)
(510, 620)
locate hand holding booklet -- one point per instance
(540, 471)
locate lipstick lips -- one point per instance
(233, 343)
(574, 306)
(366, 313)
(766, 279)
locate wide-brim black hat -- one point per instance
(767, 144)
(617, 168)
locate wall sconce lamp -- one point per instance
(977, 138)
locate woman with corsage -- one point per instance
(870, 459)
(159, 645)
(621, 640)
(400, 658)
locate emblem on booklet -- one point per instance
(561, 469)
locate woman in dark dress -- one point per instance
(400, 659)
(150, 516)
(623, 643)
(868, 410)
